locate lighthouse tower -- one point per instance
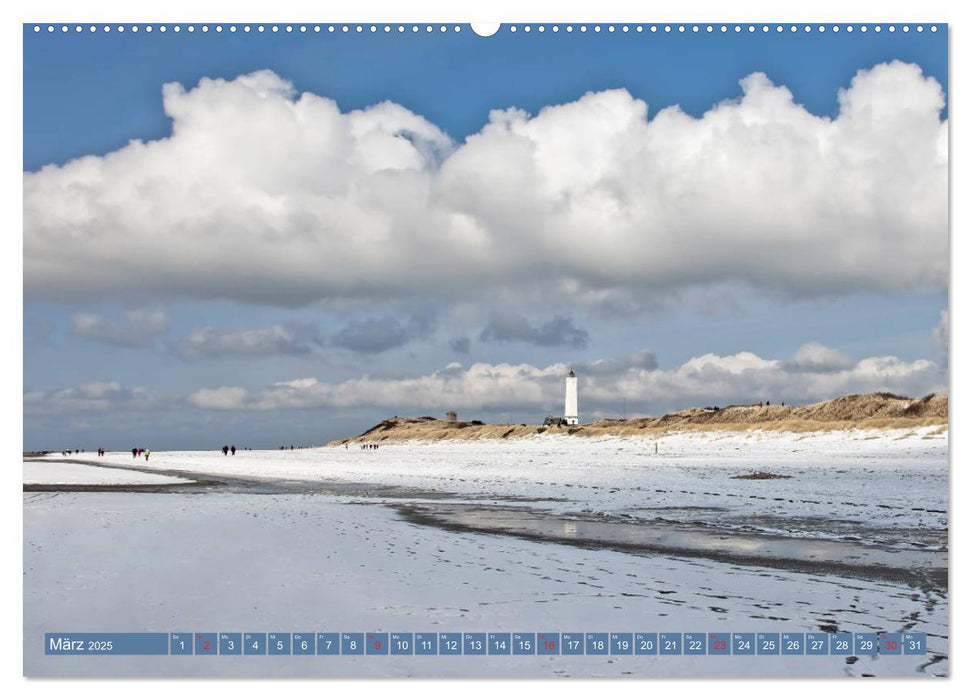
(570, 407)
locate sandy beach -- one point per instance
(400, 539)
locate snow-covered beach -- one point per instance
(53, 473)
(318, 539)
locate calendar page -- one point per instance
(514, 350)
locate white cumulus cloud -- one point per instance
(740, 378)
(593, 199)
(816, 357)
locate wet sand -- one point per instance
(194, 487)
(472, 560)
(917, 567)
(203, 482)
(925, 568)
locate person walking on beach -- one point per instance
(147, 453)
(225, 450)
(233, 450)
(134, 452)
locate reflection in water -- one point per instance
(870, 561)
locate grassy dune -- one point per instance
(879, 411)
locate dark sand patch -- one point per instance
(916, 567)
(133, 488)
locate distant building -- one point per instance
(451, 417)
(570, 414)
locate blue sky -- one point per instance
(81, 98)
(692, 287)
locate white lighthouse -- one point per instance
(570, 415)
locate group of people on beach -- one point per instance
(367, 445)
(229, 448)
(138, 451)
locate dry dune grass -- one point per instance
(875, 411)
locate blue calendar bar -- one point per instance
(548, 643)
(719, 644)
(426, 643)
(817, 643)
(888, 644)
(841, 643)
(524, 643)
(865, 643)
(743, 644)
(352, 644)
(278, 643)
(572, 644)
(377, 643)
(793, 643)
(669, 643)
(621, 643)
(597, 644)
(767, 643)
(474, 644)
(304, 644)
(230, 644)
(402, 644)
(500, 643)
(205, 644)
(114, 644)
(180, 643)
(450, 643)
(915, 643)
(645, 643)
(694, 643)
(254, 643)
(328, 644)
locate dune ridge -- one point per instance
(880, 411)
